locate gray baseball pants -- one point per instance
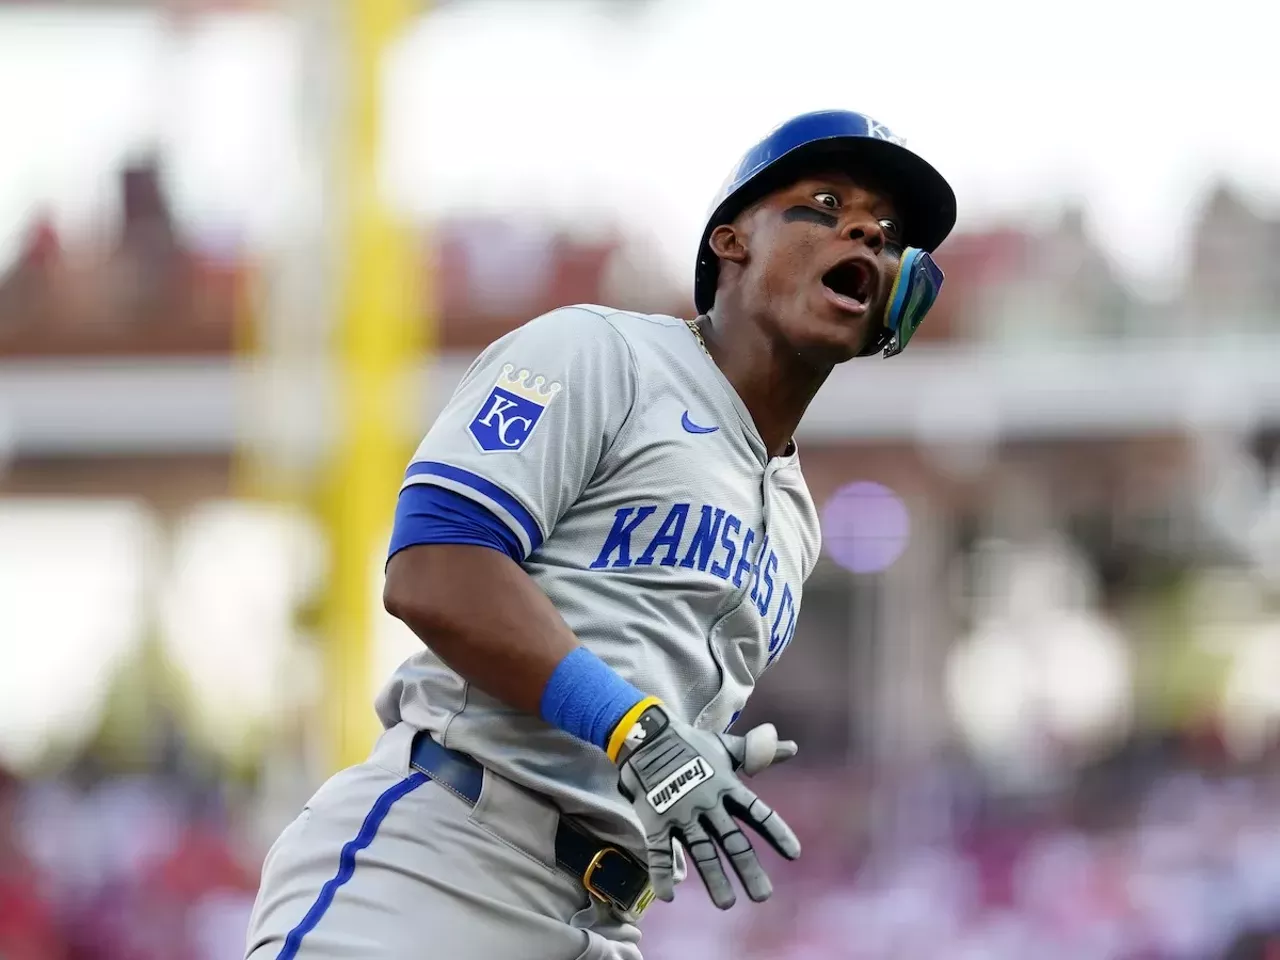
(384, 862)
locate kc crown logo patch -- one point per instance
(512, 409)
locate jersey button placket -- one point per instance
(766, 496)
(741, 595)
(766, 482)
(769, 599)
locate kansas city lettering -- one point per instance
(709, 539)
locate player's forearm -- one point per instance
(483, 616)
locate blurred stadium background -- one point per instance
(246, 248)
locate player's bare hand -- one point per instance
(684, 785)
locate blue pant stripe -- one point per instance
(347, 862)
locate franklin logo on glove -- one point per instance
(669, 792)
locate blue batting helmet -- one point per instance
(922, 194)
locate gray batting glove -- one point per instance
(684, 786)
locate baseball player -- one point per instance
(602, 543)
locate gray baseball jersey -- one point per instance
(650, 514)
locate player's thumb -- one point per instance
(759, 748)
(679, 862)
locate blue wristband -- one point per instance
(586, 698)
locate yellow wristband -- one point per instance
(619, 735)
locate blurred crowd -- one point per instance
(131, 867)
(1183, 864)
(1186, 867)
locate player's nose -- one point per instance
(862, 226)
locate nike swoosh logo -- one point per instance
(691, 427)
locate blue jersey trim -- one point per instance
(426, 513)
(347, 862)
(431, 468)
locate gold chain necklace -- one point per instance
(697, 334)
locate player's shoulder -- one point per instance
(587, 317)
(599, 329)
(640, 332)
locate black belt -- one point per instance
(610, 875)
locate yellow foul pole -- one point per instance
(379, 342)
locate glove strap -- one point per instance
(640, 725)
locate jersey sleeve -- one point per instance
(524, 431)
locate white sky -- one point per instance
(568, 108)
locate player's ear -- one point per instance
(726, 242)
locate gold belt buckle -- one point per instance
(641, 903)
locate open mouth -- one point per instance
(851, 282)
